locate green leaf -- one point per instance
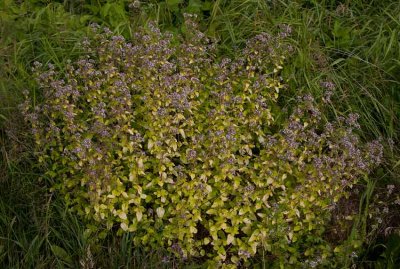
(297, 228)
(61, 254)
(207, 5)
(173, 3)
(104, 12)
(160, 212)
(195, 6)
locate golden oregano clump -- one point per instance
(159, 137)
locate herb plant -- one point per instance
(159, 137)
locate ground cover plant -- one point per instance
(337, 56)
(167, 142)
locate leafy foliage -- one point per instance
(161, 138)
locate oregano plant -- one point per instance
(161, 137)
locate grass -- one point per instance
(354, 44)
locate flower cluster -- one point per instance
(384, 211)
(160, 137)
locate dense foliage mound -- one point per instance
(160, 138)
